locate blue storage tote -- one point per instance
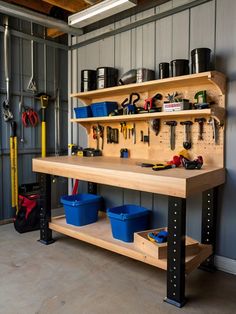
(127, 219)
(81, 209)
(104, 108)
(83, 112)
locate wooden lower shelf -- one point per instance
(99, 234)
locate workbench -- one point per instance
(179, 184)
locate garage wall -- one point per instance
(208, 25)
(55, 75)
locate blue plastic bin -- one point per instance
(127, 219)
(81, 209)
(83, 112)
(101, 109)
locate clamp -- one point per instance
(159, 237)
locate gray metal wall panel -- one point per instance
(202, 26)
(32, 135)
(180, 40)
(226, 62)
(173, 37)
(163, 40)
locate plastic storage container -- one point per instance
(83, 112)
(127, 219)
(164, 70)
(201, 58)
(179, 67)
(104, 108)
(88, 80)
(81, 209)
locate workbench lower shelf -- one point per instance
(99, 234)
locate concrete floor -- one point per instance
(73, 277)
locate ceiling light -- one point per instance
(100, 11)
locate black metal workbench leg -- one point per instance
(45, 211)
(209, 204)
(176, 252)
(92, 188)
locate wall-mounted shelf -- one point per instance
(214, 78)
(145, 116)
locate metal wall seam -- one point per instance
(138, 23)
(36, 39)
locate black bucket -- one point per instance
(179, 67)
(164, 70)
(201, 60)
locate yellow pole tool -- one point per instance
(43, 139)
(44, 103)
(14, 167)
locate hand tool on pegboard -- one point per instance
(151, 103)
(172, 125)
(200, 122)
(215, 128)
(187, 144)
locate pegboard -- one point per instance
(158, 149)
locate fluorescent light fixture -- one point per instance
(100, 11)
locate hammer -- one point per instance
(201, 123)
(172, 125)
(187, 134)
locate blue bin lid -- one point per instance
(126, 212)
(75, 200)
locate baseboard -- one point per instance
(225, 264)
(6, 221)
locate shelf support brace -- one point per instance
(45, 210)
(209, 205)
(176, 252)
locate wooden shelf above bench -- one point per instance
(214, 78)
(144, 116)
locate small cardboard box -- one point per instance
(159, 250)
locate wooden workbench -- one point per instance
(177, 183)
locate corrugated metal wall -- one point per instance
(208, 25)
(56, 71)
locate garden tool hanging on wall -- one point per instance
(44, 98)
(32, 85)
(7, 113)
(14, 167)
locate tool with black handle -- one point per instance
(172, 125)
(201, 122)
(187, 144)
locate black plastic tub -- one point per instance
(201, 60)
(179, 67)
(164, 70)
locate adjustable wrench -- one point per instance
(187, 144)
(172, 125)
(213, 122)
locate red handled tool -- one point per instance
(29, 117)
